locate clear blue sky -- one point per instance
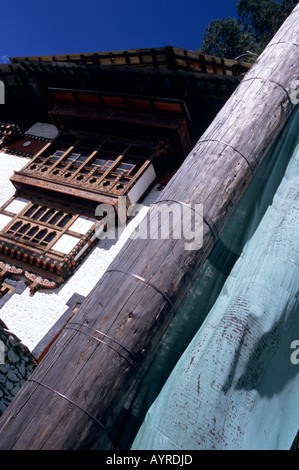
(38, 27)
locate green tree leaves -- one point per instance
(258, 21)
(226, 38)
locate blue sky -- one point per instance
(36, 27)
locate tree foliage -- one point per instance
(226, 38)
(258, 21)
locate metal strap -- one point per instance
(233, 148)
(103, 342)
(136, 276)
(70, 401)
(210, 224)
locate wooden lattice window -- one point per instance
(43, 226)
(108, 166)
(34, 234)
(50, 224)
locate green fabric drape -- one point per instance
(234, 385)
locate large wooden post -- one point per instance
(75, 395)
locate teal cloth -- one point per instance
(234, 386)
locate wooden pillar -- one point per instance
(74, 397)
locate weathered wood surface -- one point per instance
(216, 173)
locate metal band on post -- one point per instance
(72, 402)
(211, 226)
(68, 326)
(140, 278)
(283, 42)
(271, 81)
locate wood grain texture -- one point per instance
(98, 374)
